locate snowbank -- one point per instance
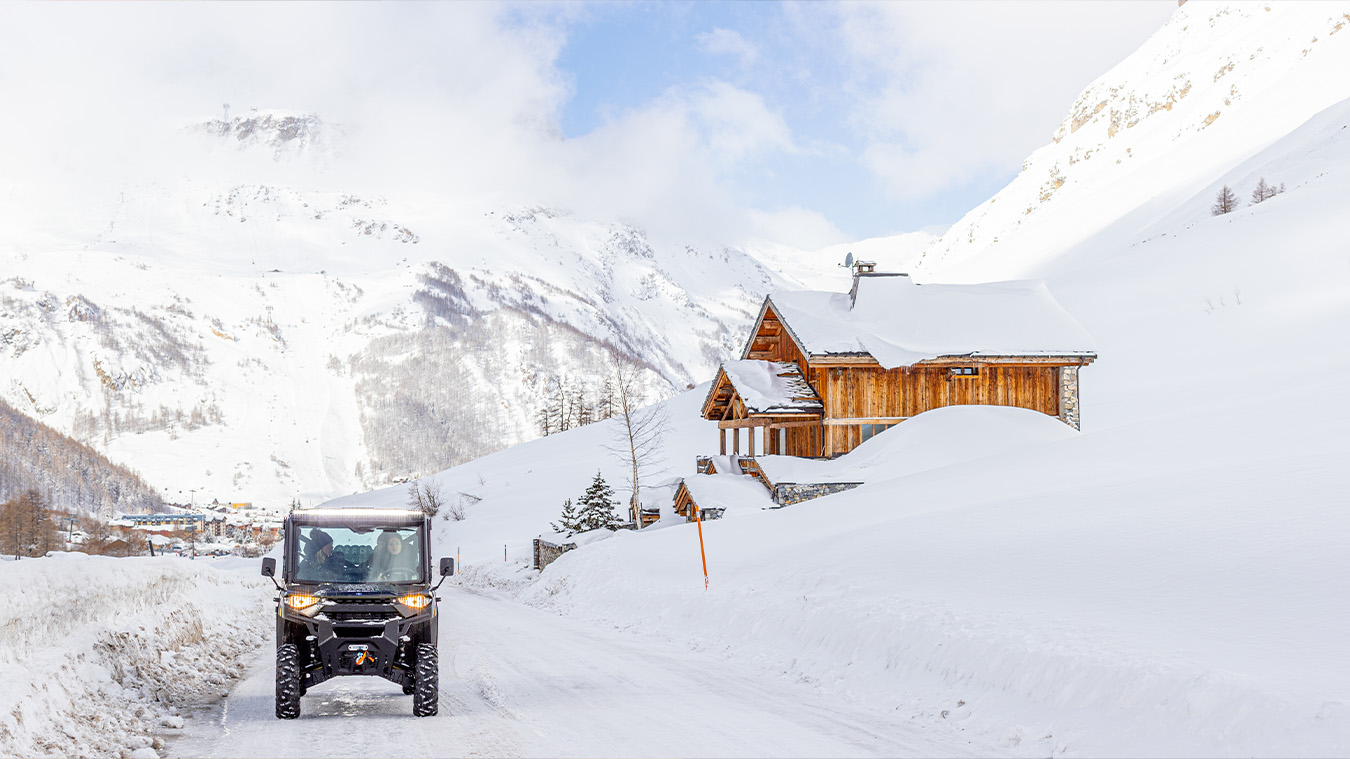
(937, 438)
(100, 655)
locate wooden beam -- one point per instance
(848, 421)
(722, 434)
(789, 425)
(760, 355)
(736, 424)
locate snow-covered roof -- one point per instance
(733, 492)
(771, 387)
(899, 323)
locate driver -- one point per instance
(321, 562)
(391, 561)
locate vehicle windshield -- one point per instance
(368, 555)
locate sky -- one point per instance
(807, 124)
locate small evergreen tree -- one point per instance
(1225, 202)
(568, 523)
(597, 507)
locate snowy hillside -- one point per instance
(1218, 83)
(266, 341)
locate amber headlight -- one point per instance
(300, 601)
(417, 601)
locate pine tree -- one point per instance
(1225, 202)
(597, 507)
(568, 523)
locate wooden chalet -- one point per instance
(824, 372)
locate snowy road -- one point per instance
(519, 682)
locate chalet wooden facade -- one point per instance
(841, 368)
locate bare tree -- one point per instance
(1263, 192)
(604, 405)
(26, 527)
(458, 507)
(13, 535)
(425, 496)
(639, 433)
(1225, 202)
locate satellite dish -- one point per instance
(848, 259)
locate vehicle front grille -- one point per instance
(359, 611)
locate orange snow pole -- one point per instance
(698, 518)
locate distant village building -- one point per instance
(190, 522)
(823, 372)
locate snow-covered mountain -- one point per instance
(262, 341)
(1215, 85)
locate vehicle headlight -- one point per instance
(415, 601)
(300, 601)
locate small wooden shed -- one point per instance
(823, 372)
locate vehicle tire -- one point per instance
(408, 689)
(288, 681)
(425, 684)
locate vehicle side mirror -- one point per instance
(269, 567)
(447, 566)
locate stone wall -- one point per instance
(546, 553)
(1068, 396)
(788, 493)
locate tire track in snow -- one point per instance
(516, 681)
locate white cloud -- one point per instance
(728, 42)
(800, 227)
(738, 124)
(946, 92)
(458, 100)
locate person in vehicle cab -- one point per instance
(321, 563)
(391, 561)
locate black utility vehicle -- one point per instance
(356, 599)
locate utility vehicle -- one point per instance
(356, 598)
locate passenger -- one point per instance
(392, 561)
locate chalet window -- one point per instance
(869, 431)
(965, 371)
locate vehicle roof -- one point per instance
(357, 517)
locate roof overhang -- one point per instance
(960, 359)
(725, 401)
